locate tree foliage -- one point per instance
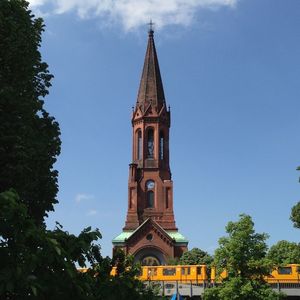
(196, 256)
(295, 215)
(284, 252)
(238, 288)
(173, 261)
(36, 263)
(29, 136)
(42, 264)
(243, 254)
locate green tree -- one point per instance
(243, 254)
(284, 252)
(295, 214)
(125, 284)
(196, 256)
(29, 136)
(173, 261)
(42, 264)
(36, 263)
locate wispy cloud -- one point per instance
(83, 197)
(132, 13)
(92, 212)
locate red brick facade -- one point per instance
(150, 229)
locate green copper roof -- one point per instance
(177, 236)
(122, 236)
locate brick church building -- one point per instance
(150, 232)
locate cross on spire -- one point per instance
(151, 27)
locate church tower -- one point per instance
(150, 233)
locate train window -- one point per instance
(186, 271)
(169, 271)
(298, 270)
(284, 270)
(198, 270)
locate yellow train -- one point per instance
(198, 274)
(284, 274)
(194, 274)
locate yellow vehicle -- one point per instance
(196, 273)
(217, 279)
(113, 271)
(286, 274)
(82, 270)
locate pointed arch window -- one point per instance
(161, 145)
(150, 186)
(139, 145)
(150, 143)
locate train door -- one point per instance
(185, 273)
(198, 274)
(298, 273)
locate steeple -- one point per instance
(150, 232)
(151, 91)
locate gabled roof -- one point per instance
(175, 236)
(151, 89)
(154, 224)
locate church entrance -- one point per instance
(150, 257)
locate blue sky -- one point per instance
(231, 74)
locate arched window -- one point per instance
(151, 261)
(150, 199)
(150, 186)
(139, 145)
(150, 143)
(161, 145)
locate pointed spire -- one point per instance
(151, 89)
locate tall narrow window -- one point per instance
(139, 145)
(150, 143)
(150, 199)
(131, 197)
(161, 145)
(150, 186)
(167, 197)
